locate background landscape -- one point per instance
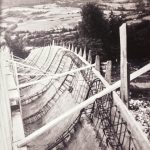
(33, 24)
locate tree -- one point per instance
(111, 39)
(103, 34)
(93, 24)
(140, 6)
(139, 40)
(16, 45)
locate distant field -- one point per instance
(73, 3)
(40, 17)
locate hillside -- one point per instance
(106, 4)
(36, 2)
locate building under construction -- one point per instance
(58, 99)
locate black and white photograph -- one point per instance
(75, 75)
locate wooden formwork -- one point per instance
(123, 111)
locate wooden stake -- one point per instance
(80, 52)
(53, 43)
(72, 48)
(55, 76)
(97, 63)
(90, 56)
(75, 50)
(69, 47)
(108, 71)
(124, 72)
(84, 53)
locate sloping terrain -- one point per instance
(35, 2)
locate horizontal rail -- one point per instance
(16, 57)
(35, 74)
(80, 106)
(24, 65)
(55, 76)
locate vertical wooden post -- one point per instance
(108, 71)
(72, 48)
(84, 53)
(97, 62)
(69, 47)
(124, 72)
(90, 56)
(80, 52)
(53, 43)
(75, 50)
(5, 112)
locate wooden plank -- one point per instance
(24, 65)
(11, 134)
(97, 63)
(108, 71)
(124, 71)
(56, 76)
(84, 53)
(17, 124)
(90, 57)
(5, 113)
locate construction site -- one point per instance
(57, 99)
(75, 75)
